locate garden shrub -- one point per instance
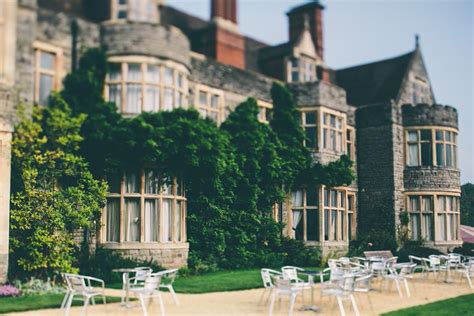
(38, 287)
(373, 240)
(467, 249)
(8, 290)
(297, 254)
(417, 251)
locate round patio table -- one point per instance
(311, 275)
(126, 285)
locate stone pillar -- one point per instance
(5, 157)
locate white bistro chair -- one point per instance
(83, 286)
(342, 287)
(167, 280)
(149, 290)
(284, 287)
(291, 273)
(405, 272)
(268, 279)
(467, 270)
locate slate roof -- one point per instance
(376, 82)
(230, 78)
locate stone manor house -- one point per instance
(382, 114)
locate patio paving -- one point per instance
(246, 302)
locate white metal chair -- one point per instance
(141, 274)
(467, 270)
(168, 277)
(84, 286)
(291, 273)
(149, 290)
(268, 277)
(419, 263)
(406, 271)
(341, 287)
(284, 287)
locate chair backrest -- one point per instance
(168, 275)
(152, 282)
(434, 260)
(364, 282)
(290, 273)
(267, 277)
(141, 273)
(414, 259)
(334, 264)
(283, 284)
(407, 269)
(389, 263)
(76, 282)
(455, 258)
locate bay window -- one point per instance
(431, 147)
(448, 217)
(305, 216)
(332, 132)
(334, 214)
(421, 210)
(142, 206)
(138, 85)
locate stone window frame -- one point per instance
(265, 111)
(305, 69)
(57, 73)
(174, 196)
(339, 132)
(305, 208)
(433, 142)
(350, 142)
(437, 213)
(177, 91)
(340, 223)
(321, 111)
(351, 213)
(144, 13)
(207, 108)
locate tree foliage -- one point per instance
(53, 192)
(467, 204)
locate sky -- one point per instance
(361, 31)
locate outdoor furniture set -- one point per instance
(140, 281)
(345, 276)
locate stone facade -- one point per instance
(372, 99)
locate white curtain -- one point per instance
(168, 102)
(152, 183)
(297, 215)
(442, 226)
(113, 220)
(178, 218)
(45, 88)
(134, 92)
(132, 182)
(115, 95)
(152, 99)
(132, 219)
(297, 198)
(428, 226)
(413, 154)
(167, 220)
(415, 227)
(151, 220)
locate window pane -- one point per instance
(132, 182)
(310, 117)
(180, 81)
(414, 203)
(47, 60)
(134, 93)
(202, 98)
(426, 159)
(332, 120)
(441, 204)
(134, 72)
(325, 138)
(440, 154)
(425, 134)
(312, 225)
(180, 187)
(428, 227)
(341, 224)
(449, 155)
(427, 204)
(294, 76)
(349, 225)
(115, 72)
(168, 76)
(152, 99)
(167, 186)
(310, 137)
(297, 198)
(113, 220)
(115, 95)
(153, 74)
(179, 219)
(415, 227)
(45, 88)
(312, 197)
(350, 203)
(168, 104)
(449, 136)
(412, 136)
(298, 224)
(113, 180)
(151, 220)
(334, 225)
(327, 194)
(122, 14)
(332, 144)
(326, 224)
(439, 135)
(333, 198)
(132, 219)
(214, 101)
(167, 218)
(442, 226)
(152, 181)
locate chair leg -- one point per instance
(65, 300)
(262, 296)
(162, 307)
(68, 304)
(398, 288)
(292, 304)
(341, 307)
(142, 302)
(173, 293)
(272, 303)
(469, 280)
(406, 287)
(84, 308)
(354, 305)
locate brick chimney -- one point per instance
(222, 40)
(314, 15)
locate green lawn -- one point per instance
(27, 303)
(461, 305)
(217, 281)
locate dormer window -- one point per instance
(301, 70)
(135, 10)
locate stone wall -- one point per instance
(133, 38)
(320, 93)
(430, 115)
(432, 179)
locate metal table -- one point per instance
(126, 285)
(311, 275)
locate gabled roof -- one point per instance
(376, 82)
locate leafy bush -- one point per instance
(38, 287)
(9, 290)
(101, 263)
(374, 240)
(467, 249)
(418, 251)
(297, 254)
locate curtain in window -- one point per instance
(132, 219)
(415, 227)
(297, 215)
(132, 182)
(134, 92)
(169, 76)
(115, 95)
(167, 218)
(152, 99)
(45, 87)
(413, 155)
(113, 220)
(297, 198)
(134, 72)
(179, 219)
(115, 71)
(153, 74)
(442, 226)
(334, 224)
(152, 181)
(151, 220)
(168, 103)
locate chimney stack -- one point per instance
(313, 13)
(222, 39)
(224, 9)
